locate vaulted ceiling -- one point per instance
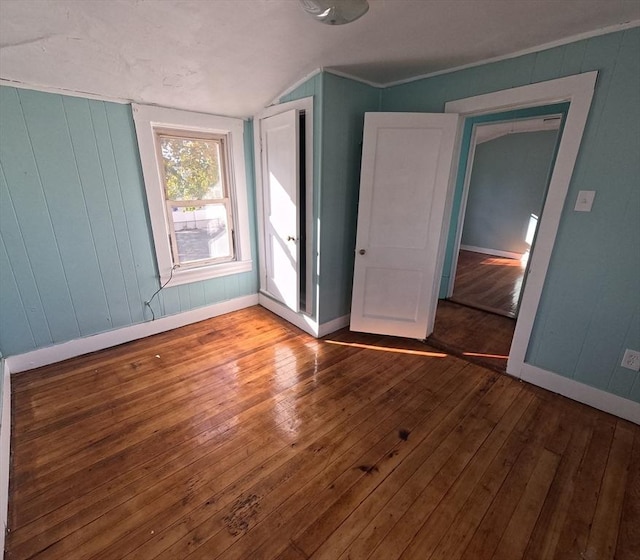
(233, 57)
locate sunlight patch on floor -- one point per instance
(387, 349)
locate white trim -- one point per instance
(578, 90)
(494, 252)
(334, 325)
(5, 452)
(292, 87)
(315, 72)
(597, 398)
(63, 91)
(486, 132)
(530, 50)
(342, 74)
(535, 49)
(80, 346)
(304, 104)
(303, 322)
(572, 88)
(463, 202)
(196, 274)
(147, 119)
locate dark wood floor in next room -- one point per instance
(488, 282)
(241, 437)
(475, 335)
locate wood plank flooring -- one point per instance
(242, 438)
(488, 282)
(475, 335)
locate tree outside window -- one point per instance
(196, 195)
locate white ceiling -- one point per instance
(487, 132)
(234, 57)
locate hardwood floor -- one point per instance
(473, 334)
(242, 438)
(488, 282)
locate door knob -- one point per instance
(290, 238)
(362, 251)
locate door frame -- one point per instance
(465, 170)
(578, 90)
(306, 105)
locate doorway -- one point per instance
(574, 91)
(284, 165)
(504, 174)
(510, 170)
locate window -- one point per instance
(193, 166)
(196, 193)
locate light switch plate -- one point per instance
(584, 201)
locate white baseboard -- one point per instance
(494, 252)
(303, 322)
(73, 348)
(334, 325)
(597, 398)
(5, 451)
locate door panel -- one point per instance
(392, 294)
(280, 176)
(398, 198)
(406, 165)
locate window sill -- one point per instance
(189, 275)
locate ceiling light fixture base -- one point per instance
(335, 12)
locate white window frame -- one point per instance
(148, 120)
(226, 200)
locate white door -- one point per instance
(280, 173)
(406, 167)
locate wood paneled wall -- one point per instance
(590, 310)
(76, 256)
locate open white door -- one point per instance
(280, 175)
(406, 166)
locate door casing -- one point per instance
(305, 105)
(578, 91)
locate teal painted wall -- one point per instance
(508, 183)
(339, 107)
(76, 251)
(344, 105)
(590, 309)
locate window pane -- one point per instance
(201, 233)
(192, 168)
